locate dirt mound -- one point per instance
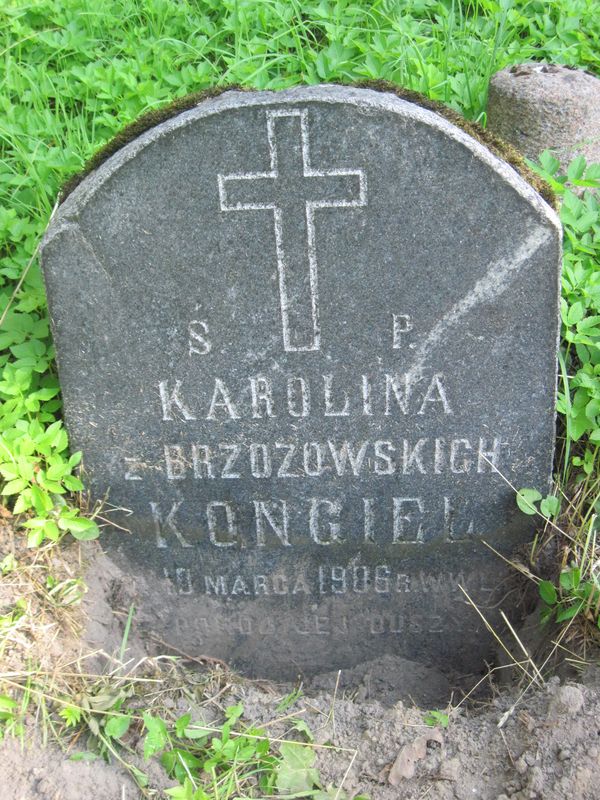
(369, 723)
(545, 747)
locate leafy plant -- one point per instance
(579, 395)
(37, 473)
(571, 597)
(226, 757)
(8, 714)
(434, 718)
(527, 499)
(216, 762)
(296, 772)
(289, 700)
(577, 593)
(187, 791)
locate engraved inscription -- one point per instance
(328, 522)
(293, 459)
(294, 190)
(198, 343)
(260, 397)
(401, 324)
(331, 580)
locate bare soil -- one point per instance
(527, 740)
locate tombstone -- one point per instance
(307, 342)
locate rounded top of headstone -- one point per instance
(366, 101)
(546, 106)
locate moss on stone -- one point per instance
(148, 120)
(152, 118)
(494, 143)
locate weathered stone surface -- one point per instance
(540, 107)
(300, 334)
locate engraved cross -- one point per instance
(293, 190)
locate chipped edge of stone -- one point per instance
(327, 93)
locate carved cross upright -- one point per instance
(293, 190)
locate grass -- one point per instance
(191, 721)
(73, 75)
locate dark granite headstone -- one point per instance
(300, 335)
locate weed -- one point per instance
(8, 715)
(289, 700)
(527, 499)
(579, 397)
(572, 596)
(576, 592)
(434, 718)
(133, 713)
(224, 760)
(210, 762)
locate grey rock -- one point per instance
(450, 770)
(301, 337)
(567, 701)
(521, 765)
(541, 106)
